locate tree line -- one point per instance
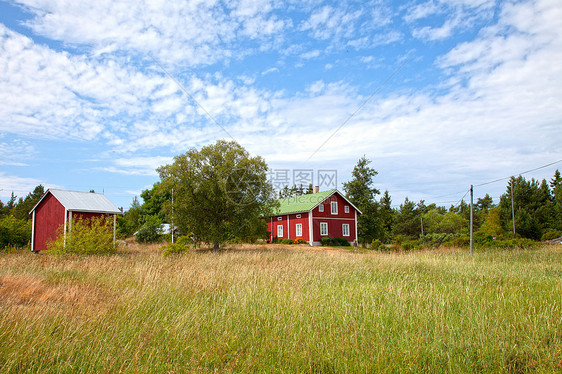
(222, 194)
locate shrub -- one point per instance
(326, 241)
(551, 234)
(86, 236)
(482, 238)
(149, 234)
(14, 232)
(376, 244)
(182, 244)
(409, 245)
(340, 241)
(287, 241)
(300, 241)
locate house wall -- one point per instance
(289, 226)
(334, 221)
(49, 216)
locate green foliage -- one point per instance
(85, 236)
(14, 232)
(182, 244)
(218, 188)
(326, 241)
(149, 233)
(551, 234)
(336, 241)
(361, 193)
(287, 241)
(376, 244)
(129, 222)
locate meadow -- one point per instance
(282, 309)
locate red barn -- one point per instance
(313, 216)
(58, 208)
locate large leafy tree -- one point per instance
(220, 191)
(361, 192)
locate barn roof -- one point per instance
(82, 201)
(305, 203)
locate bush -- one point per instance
(149, 234)
(409, 245)
(182, 244)
(551, 234)
(300, 241)
(87, 236)
(326, 241)
(340, 241)
(376, 244)
(14, 232)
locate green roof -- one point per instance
(302, 203)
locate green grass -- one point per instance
(276, 310)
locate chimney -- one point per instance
(316, 189)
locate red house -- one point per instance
(57, 208)
(313, 216)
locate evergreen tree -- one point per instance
(361, 193)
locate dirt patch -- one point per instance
(29, 291)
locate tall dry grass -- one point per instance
(275, 309)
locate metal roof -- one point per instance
(305, 203)
(82, 201)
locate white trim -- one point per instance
(64, 228)
(321, 206)
(342, 218)
(356, 238)
(279, 218)
(298, 216)
(288, 227)
(297, 226)
(310, 235)
(279, 226)
(271, 234)
(346, 209)
(324, 223)
(343, 231)
(332, 205)
(33, 232)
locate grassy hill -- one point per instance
(282, 309)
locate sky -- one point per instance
(438, 94)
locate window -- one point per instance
(298, 216)
(346, 209)
(334, 205)
(321, 207)
(298, 229)
(345, 229)
(324, 228)
(279, 218)
(280, 231)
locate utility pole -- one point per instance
(471, 217)
(512, 206)
(172, 226)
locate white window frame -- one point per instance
(280, 231)
(279, 218)
(332, 205)
(344, 229)
(346, 209)
(298, 229)
(324, 225)
(321, 207)
(298, 216)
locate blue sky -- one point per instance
(475, 90)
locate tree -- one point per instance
(219, 190)
(361, 193)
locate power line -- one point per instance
(525, 172)
(191, 97)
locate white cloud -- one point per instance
(15, 152)
(195, 32)
(19, 185)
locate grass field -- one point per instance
(282, 309)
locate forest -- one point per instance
(536, 207)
